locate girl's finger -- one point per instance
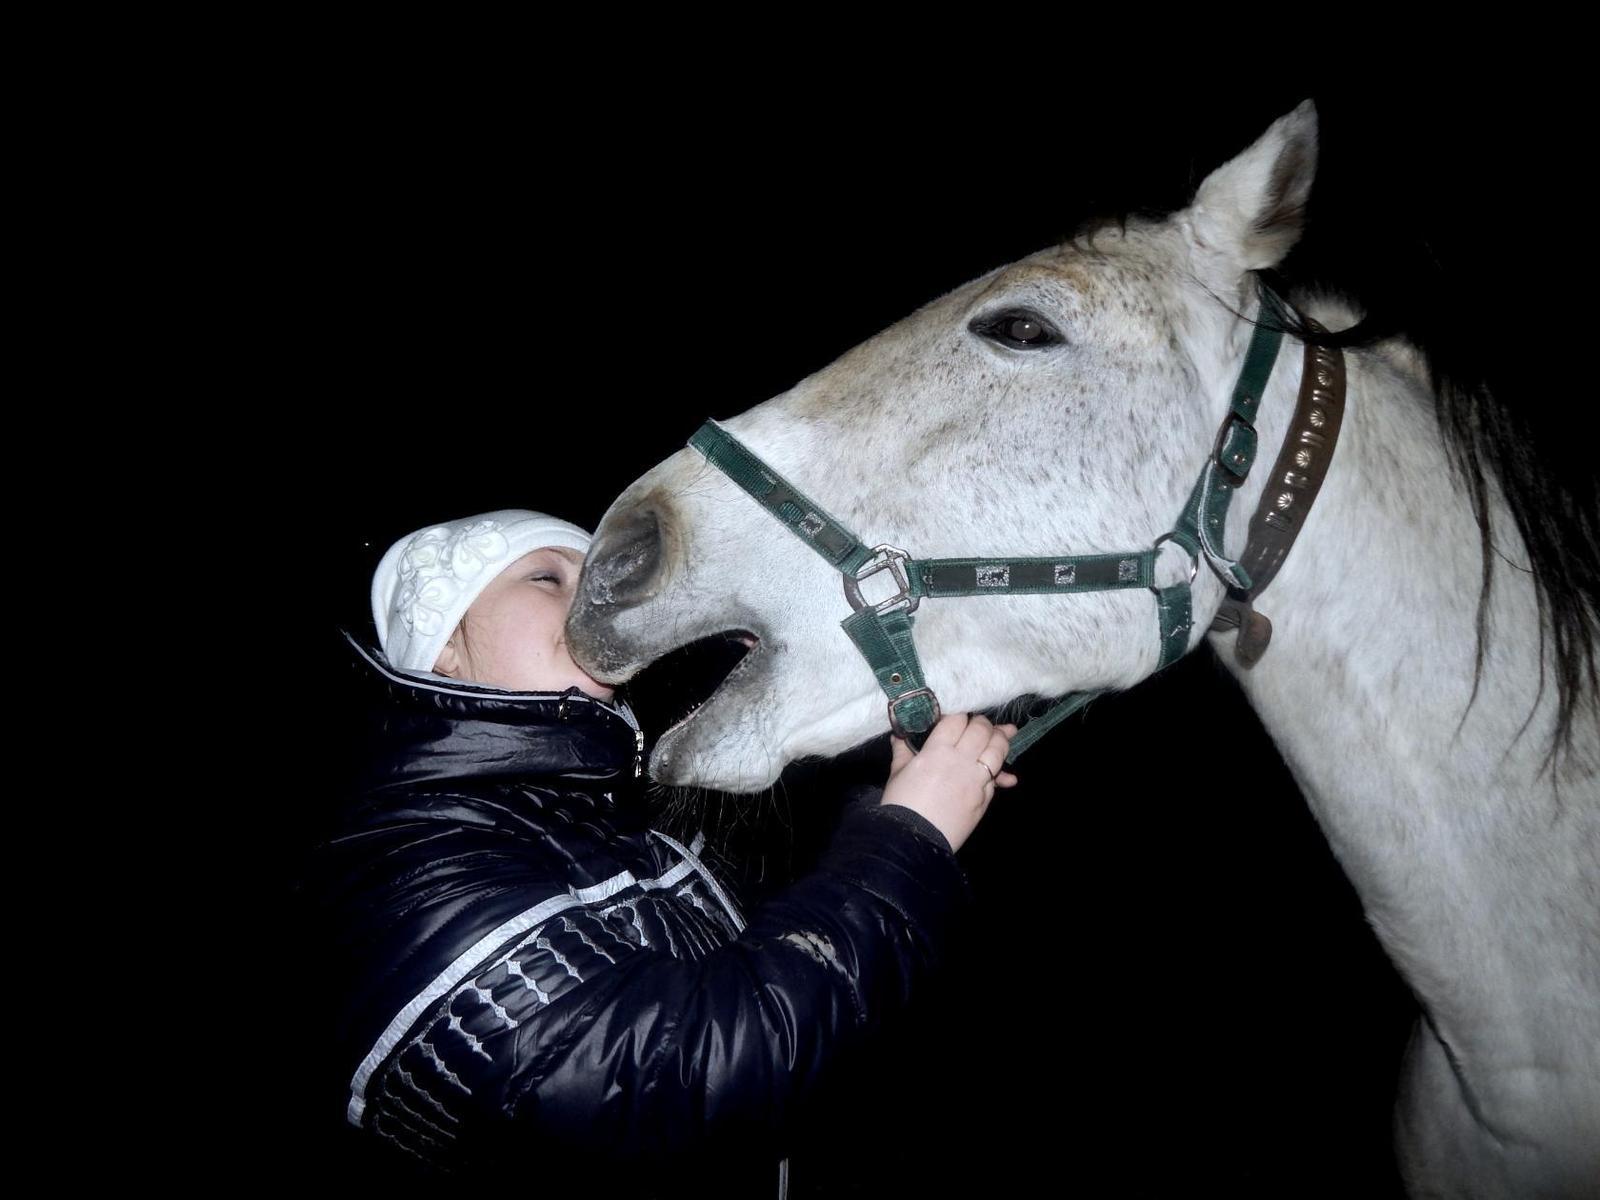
(949, 729)
(900, 754)
(975, 736)
(995, 752)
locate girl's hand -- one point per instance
(952, 781)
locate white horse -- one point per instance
(958, 432)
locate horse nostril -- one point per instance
(624, 564)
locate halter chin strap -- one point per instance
(881, 629)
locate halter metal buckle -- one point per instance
(894, 717)
(884, 558)
(1235, 454)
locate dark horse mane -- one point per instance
(1494, 436)
(1498, 402)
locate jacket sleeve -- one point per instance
(646, 1054)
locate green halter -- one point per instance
(882, 630)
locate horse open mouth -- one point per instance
(669, 693)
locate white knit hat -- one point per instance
(428, 579)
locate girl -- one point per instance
(533, 982)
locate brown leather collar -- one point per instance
(1296, 479)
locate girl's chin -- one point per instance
(598, 690)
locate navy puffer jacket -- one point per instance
(525, 976)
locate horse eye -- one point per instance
(1020, 330)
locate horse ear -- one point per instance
(1250, 211)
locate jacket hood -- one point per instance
(431, 729)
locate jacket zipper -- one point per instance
(626, 714)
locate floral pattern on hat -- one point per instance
(474, 548)
(435, 565)
(426, 555)
(422, 602)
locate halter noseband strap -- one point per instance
(881, 629)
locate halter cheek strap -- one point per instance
(881, 630)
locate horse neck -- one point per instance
(1461, 852)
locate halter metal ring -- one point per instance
(884, 558)
(1194, 557)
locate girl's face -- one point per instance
(514, 631)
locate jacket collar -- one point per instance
(432, 729)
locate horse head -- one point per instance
(1063, 403)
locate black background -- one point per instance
(493, 295)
